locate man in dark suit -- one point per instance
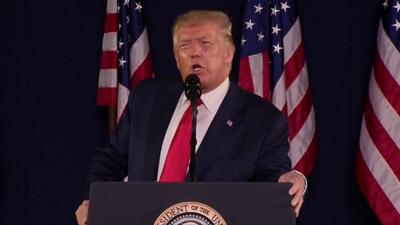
(240, 136)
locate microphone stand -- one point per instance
(193, 141)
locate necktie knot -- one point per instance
(199, 102)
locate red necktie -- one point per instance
(178, 156)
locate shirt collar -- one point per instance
(212, 99)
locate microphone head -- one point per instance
(192, 87)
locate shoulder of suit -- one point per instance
(159, 81)
(255, 103)
(156, 85)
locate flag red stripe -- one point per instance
(144, 71)
(284, 109)
(382, 140)
(388, 85)
(245, 78)
(111, 23)
(307, 161)
(299, 115)
(377, 198)
(294, 65)
(109, 60)
(107, 96)
(266, 78)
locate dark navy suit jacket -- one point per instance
(253, 147)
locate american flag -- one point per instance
(126, 57)
(378, 158)
(272, 65)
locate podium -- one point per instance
(219, 203)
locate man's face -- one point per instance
(201, 49)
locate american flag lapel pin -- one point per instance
(229, 122)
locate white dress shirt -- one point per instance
(206, 112)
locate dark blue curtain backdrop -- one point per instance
(50, 124)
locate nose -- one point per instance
(195, 51)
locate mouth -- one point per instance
(196, 68)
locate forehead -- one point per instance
(198, 30)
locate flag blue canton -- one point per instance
(391, 21)
(265, 23)
(255, 37)
(130, 28)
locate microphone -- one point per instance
(192, 87)
(193, 92)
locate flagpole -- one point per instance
(112, 119)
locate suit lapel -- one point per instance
(161, 116)
(220, 131)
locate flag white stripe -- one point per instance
(299, 144)
(279, 93)
(297, 90)
(108, 78)
(292, 40)
(139, 51)
(379, 168)
(112, 6)
(110, 42)
(256, 68)
(386, 114)
(123, 94)
(388, 53)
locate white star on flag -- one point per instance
(385, 4)
(284, 6)
(275, 29)
(397, 6)
(397, 25)
(138, 7)
(274, 11)
(277, 48)
(122, 62)
(258, 8)
(243, 41)
(249, 25)
(260, 36)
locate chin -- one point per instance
(197, 73)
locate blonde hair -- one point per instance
(196, 17)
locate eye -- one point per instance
(205, 42)
(184, 44)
